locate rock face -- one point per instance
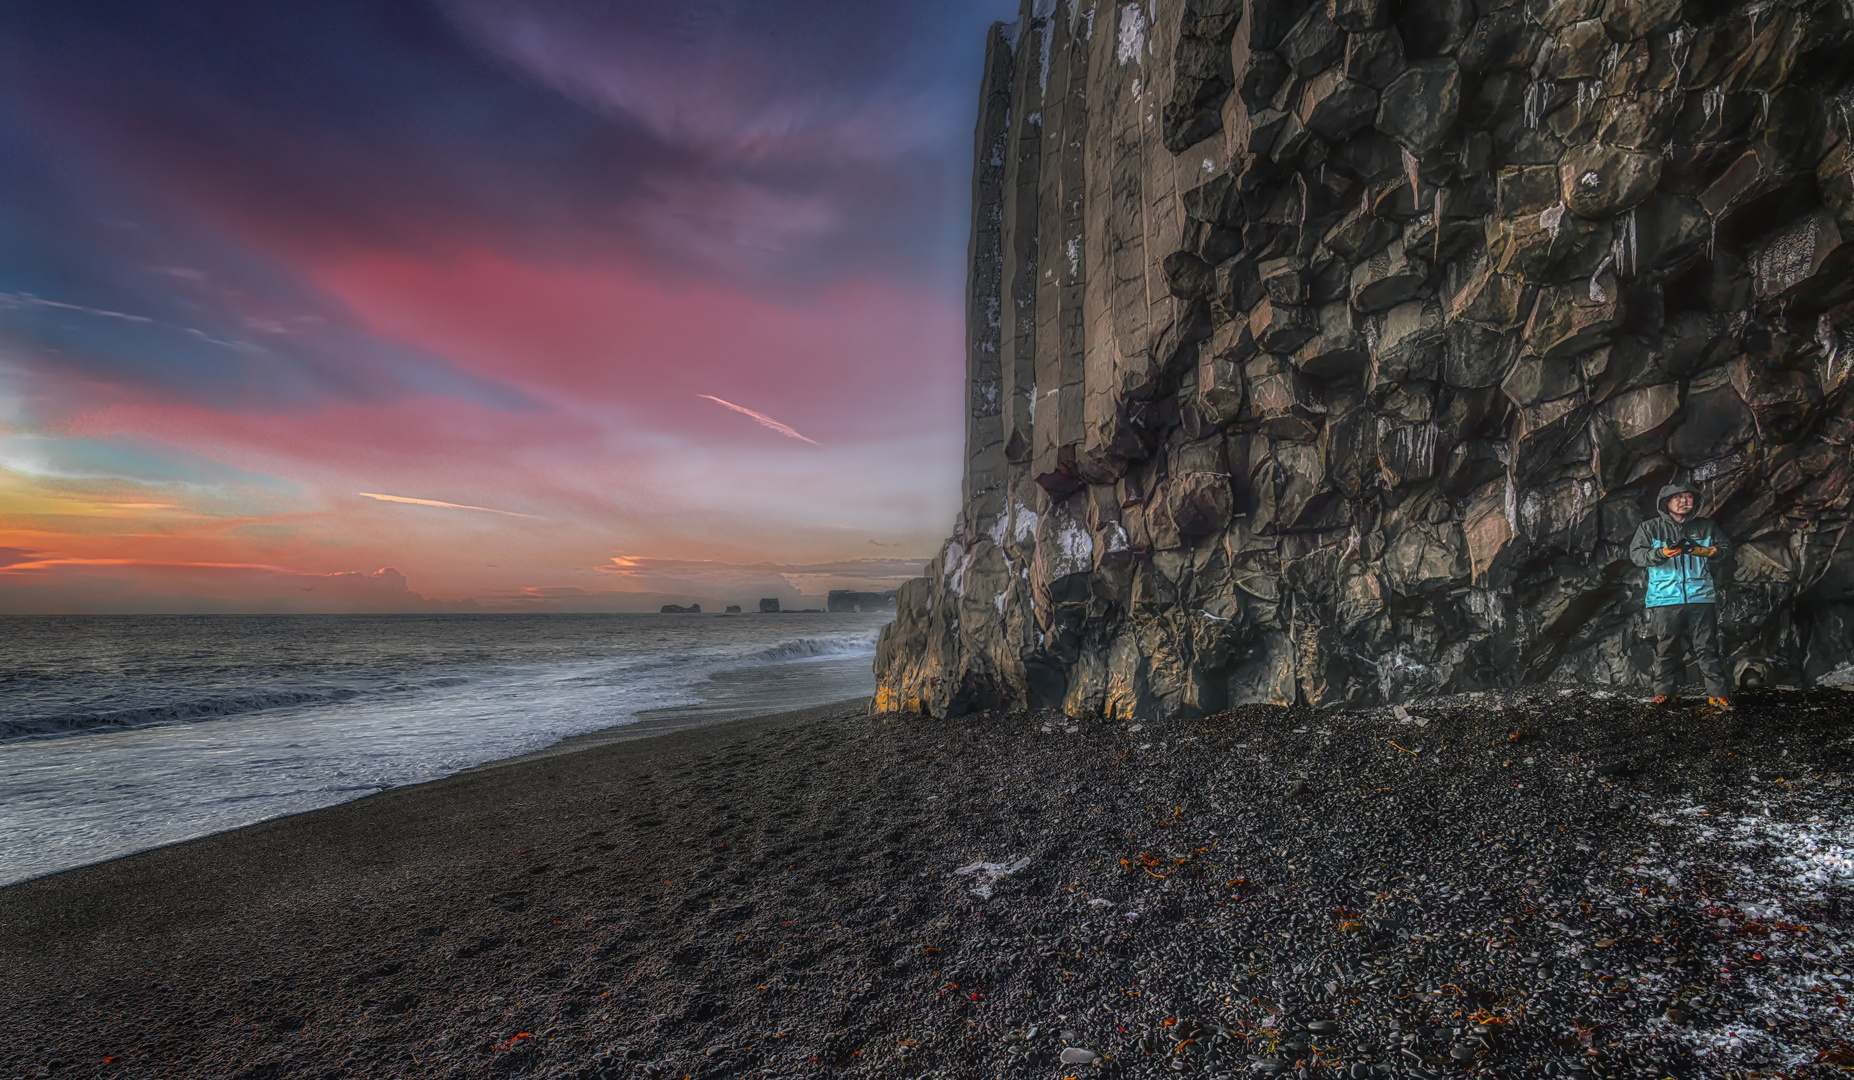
(674, 609)
(849, 600)
(769, 605)
(1332, 352)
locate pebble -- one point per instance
(1423, 865)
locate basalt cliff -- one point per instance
(1331, 351)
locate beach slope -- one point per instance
(1500, 882)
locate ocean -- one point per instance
(123, 733)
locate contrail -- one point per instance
(448, 506)
(762, 418)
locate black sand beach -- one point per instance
(1506, 885)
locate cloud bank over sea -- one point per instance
(264, 258)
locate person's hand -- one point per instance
(1705, 552)
(1669, 552)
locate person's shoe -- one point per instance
(1658, 699)
(1719, 702)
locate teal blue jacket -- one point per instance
(1683, 579)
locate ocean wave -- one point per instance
(173, 712)
(813, 649)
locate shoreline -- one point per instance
(828, 893)
(660, 723)
(652, 724)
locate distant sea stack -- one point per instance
(1331, 352)
(674, 609)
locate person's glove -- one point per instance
(1669, 552)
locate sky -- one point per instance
(492, 305)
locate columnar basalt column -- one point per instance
(1330, 352)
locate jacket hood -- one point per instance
(1671, 490)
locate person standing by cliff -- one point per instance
(1679, 550)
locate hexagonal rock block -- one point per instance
(1199, 503)
(1136, 376)
(1284, 280)
(1419, 107)
(1359, 235)
(1491, 299)
(1281, 328)
(1314, 44)
(1576, 51)
(1387, 279)
(1642, 419)
(1407, 452)
(1187, 276)
(1782, 401)
(1435, 27)
(1804, 263)
(1474, 356)
(1716, 423)
(1409, 341)
(1351, 451)
(1534, 379)
(1255, 133)
(1293, 139)
(1503, 40)
(1499, 96)
(1333, 106)
(1552, 245)
(1278, 399)
(1293, 494)
(1743, 180)
(1374, 57)
(1764, 63)
(1834, 174)
(1526, 189)
(1238, 288)
(1669, 229)
(1440, 244)
(1423, 557)
(1357, 16)
(1338, 351)
(1569, 319)
(1560, 516)
(1639, 121)
(1219, 387)
(1217, 201)
(1628, 20)
(1542, 432)
(1598, 181)
(1487, 529)
(1260, 72)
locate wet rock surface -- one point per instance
(1331, 353)
(1553, 883)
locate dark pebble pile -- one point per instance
(1547, 883)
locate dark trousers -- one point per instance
(1698, 623)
